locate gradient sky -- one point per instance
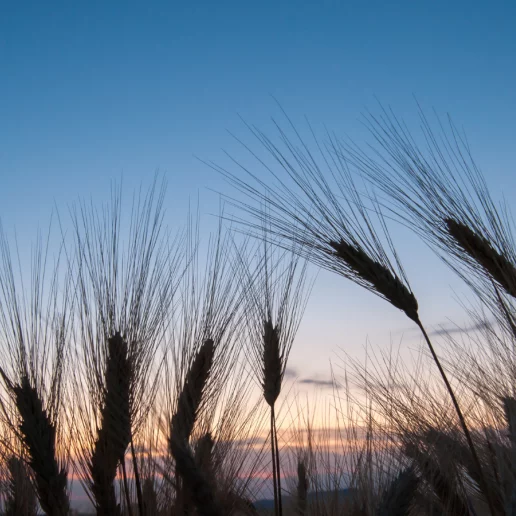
(96, 91)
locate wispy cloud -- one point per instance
(448, 328)
(317, 382)
(290, 373)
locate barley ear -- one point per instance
(190, 398)
(181, 427)
(115, 430)
(478, 248)
(39, 436)
(272, 363)
(377, 277)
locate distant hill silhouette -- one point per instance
(269, 503)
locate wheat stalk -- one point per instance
(190, 398)
(115, 430)
(326, 219)
(39, 435)
(181, 426)
(34, 331)
(275, 301)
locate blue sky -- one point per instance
(94, 91)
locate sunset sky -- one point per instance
(99, 91)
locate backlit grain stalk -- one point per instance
(316, 210)
(39, 436)
(391, 288)
(194, 485)
(115, 427)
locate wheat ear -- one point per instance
(379, 277)
(39, 436)
(181, 427)
(477, 247)
(190, 398)
(272, 363)
(114, 434)
(272, 376)
(389, 286)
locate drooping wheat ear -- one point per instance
(272, 363)
(302, 488)
(397, 498)
(190, 398)
(378, 276)
(20, 498)
(484, 254)
(115, 430)
(38, 433)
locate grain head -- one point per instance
(38, 433)
(480, 250)
(380, 278)
(272, 363)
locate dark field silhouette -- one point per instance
(152, 369)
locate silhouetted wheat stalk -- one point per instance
(275, 302)
(34, 328)
(115, 427)
(181, 426)
(322, 216)
(206, 323)
(190, 398)
(126, 287)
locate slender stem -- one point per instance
(126, 488)
(137, 479)
(278, 470)
(276, 508)
(483, 483)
